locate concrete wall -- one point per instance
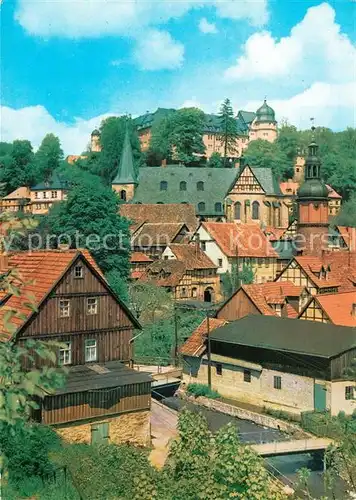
(338, 402)
(213, 251)
(127, 428)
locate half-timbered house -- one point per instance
(339, 308)
(102, 398)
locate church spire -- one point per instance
(126, 173)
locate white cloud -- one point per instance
(332, 104)
(94, 18)
(206, 27)
(158, 50)
(315, 49)
(34, 122)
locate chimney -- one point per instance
(353, 311)
(4, 262)
(164, 163)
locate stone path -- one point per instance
(163, 430)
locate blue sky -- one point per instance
(66, 64)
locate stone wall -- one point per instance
(234, 411)
(132, 428)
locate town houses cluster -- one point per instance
(284, 339)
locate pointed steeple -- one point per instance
(313, 186)
(126, 173)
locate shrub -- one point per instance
(202, 390)
(283, 415)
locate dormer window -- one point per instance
(78, 272)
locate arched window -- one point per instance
(209, 294)
(201, 206)
(183, 292)
(123, 195)
(194, 293)
(200, 186)
(183, 186)
(255, 210)
(163, 186)
(237, 208)
(218, 207)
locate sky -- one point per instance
(67, 64)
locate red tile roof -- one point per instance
(192, 256)
(168, 213)
(244, 240)
(158, 234)
(338, 307)
(164, 273)
(39, 271)
(332, 193)
(290, 188)
(140, 257)
(194, 346)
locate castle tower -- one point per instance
(313, 212)
(264, 126)
(299, 166)
(95, 141)
(126, 180)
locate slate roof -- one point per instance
(55, 182)
(244, 240)
(338, 307)
(169, 213)
(82, 378)
(266, 179)
(246, 116)
(288, 335)
(213, 125)
(149, 119)
(192, 256)
(126, 172)
(194, 345)
(41, 270)
(217, 182)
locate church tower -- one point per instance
(313, 212)
(126, 180)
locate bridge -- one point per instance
(163, 376)
(293, 447)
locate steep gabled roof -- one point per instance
(41, 271)
(157, 234)
(243, 240)
(18, 194)
(56, 182)
(166, 273)
(348, 234)
(264, 177)
(338, 307)
(126, 172)
(169, 213)
(192, 256)
(139, 257)
(194, 345)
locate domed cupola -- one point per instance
(95, 133)
(313, 187)
(265, 113)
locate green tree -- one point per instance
(269, 155)
(228, 136)
(160, 147)
(149, 301)
(186, 136)
(48, 156)
(112, 134)
(347, 215)
(288, 142)
(215, 160)
(231, 281)
(17, 166)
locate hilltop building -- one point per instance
(44, 194)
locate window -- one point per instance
(247, 376)
(90, 350)
(200, 186)
(54, 194)
(350, 392)
(201, 207)
(64, 308)
(65, 354)
(218, 367)
(92, 305)
(277, 382)
(238, 210)
(220, 262)
(78, 272)
(183, 292)
(183, 186)
(218, 207)
(44, 195)
(36, 194)
(194, 293)
(163, 186)
(123, 195)
(255, 210)
(203, 245)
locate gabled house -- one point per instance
(331, 272)
(139, 261)
(151, 238)
(338, 309)
(102, 397)
(187, 272)
(44, 194)
(277, 363)
(17, 201)
(282, 299)
(230, 245)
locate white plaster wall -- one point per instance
(213, 251)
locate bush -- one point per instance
(323, 424)
(202, 390)
(283, 415)
(26, 448)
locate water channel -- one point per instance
(285, 466)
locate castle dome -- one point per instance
(95, 133)
(313, 189)
(265, 113)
